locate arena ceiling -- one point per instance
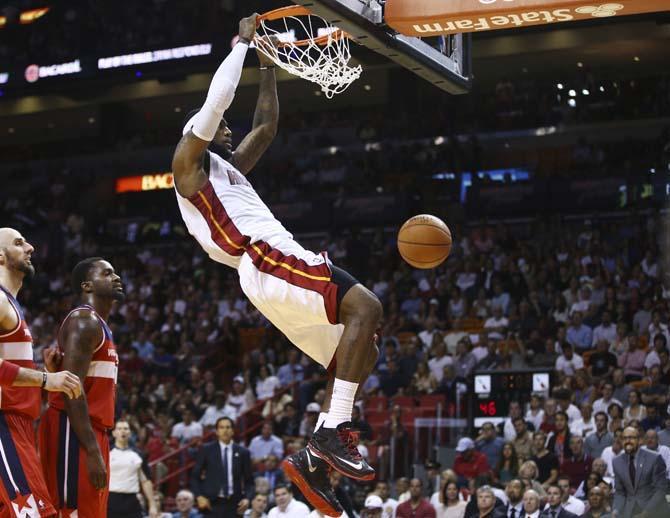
(637, 46)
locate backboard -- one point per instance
(444, 61)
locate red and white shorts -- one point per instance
(297, 291)
(23, 492)
(64, 466)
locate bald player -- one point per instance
(322, 309)
(22, 488)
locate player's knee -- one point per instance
(362, 307)
(372, 309)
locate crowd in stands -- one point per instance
(589, 300)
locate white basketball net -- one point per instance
(322, 57)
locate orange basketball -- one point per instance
(424, 241)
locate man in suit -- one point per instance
(531, 504)
(514, 492)
(640, 483)
(554, 508)
(222, 477)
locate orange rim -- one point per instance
(298, 10)
(283, 12)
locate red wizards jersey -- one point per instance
(100, 381)
(17, 347)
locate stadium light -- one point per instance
(31, 15)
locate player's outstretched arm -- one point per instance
(11, 375)
(200, 130)
(266, 118)
(80, 336)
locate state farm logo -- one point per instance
(510, 18)
(601, 11)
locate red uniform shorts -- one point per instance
(64, 466)
(23, 493)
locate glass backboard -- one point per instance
(444, 61)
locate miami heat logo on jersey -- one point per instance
(237, 178)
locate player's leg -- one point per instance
(90, 501)
(49, 444)
(309, 472)
(330, 316)
(23, 486)
(360, 311)
(372, 361)
(67, 464)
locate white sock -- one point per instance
(341, 404)
(320, 420)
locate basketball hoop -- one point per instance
(307, 46)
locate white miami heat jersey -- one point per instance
(227, 215)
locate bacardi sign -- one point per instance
(435, 17)
(145, 182)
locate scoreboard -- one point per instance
(492, 391)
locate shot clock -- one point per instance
(492, 392)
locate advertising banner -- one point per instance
(442, 17)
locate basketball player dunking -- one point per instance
(74, 445)
(322, 309)
(22, 488)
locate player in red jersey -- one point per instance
(74, 444)
(23, 492)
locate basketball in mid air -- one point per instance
(424, 241)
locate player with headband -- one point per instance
(322, 309)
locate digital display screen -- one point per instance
(541, 382)
(511, 382)
(491, 407)
(483, 384)
(494, 390)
